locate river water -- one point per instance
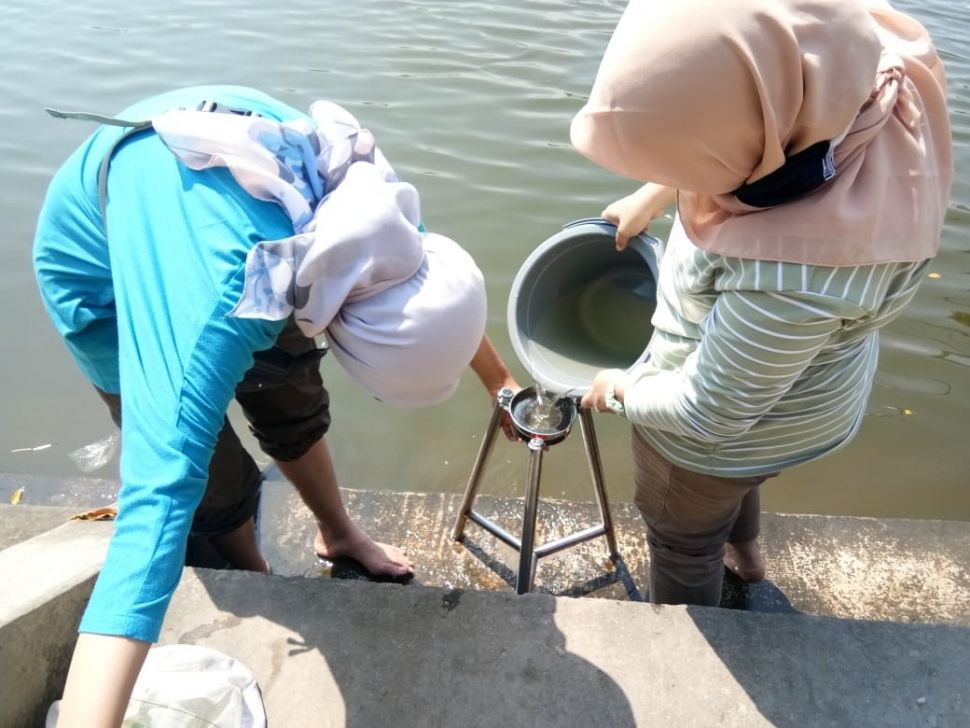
(471, 102)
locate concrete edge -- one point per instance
(47, 583)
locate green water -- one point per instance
(471, 101)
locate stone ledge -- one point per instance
(19, 523)
(47, 581)
(333, 653)
(893, 571)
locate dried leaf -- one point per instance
(107, 513)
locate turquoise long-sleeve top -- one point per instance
(143, 311)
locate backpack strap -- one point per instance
(97, 118)
(131, 128)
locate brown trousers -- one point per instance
(689, 518)
(288, 409)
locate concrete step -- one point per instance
(457, 647)
(19, 523)
(337, 653)
(46, 583)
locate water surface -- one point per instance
(471, 101)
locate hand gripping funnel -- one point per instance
(578, 306)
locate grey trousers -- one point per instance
(689, 518)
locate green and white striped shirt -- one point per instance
(756, 366)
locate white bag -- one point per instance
(186, 686)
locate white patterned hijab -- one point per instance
(403, 310)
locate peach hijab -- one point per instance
(709, 95)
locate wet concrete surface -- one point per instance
(860, 568)
(80, 492)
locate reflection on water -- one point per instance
(471, 101)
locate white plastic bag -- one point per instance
(96, 454)
(186, 686)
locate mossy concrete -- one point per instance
(862, 568)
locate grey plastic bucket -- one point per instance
(577, 305)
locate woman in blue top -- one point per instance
(146, 281)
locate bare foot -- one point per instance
(379, 559)
(745, 561)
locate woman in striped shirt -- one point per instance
(806, 145)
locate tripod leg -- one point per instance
(476, 475)
(527, 559)
(596, 473)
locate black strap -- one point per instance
(131, 128)
(801, 174)
(217, 108)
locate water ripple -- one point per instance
(472, 102)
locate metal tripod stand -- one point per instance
(529, 553)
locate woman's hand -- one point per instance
(507, 427)
(495, 376)
(595, 398)
(634, 213)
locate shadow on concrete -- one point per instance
(403, 656)
(821, 671)
(764, 596)
(619, 574)
(489, 561)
